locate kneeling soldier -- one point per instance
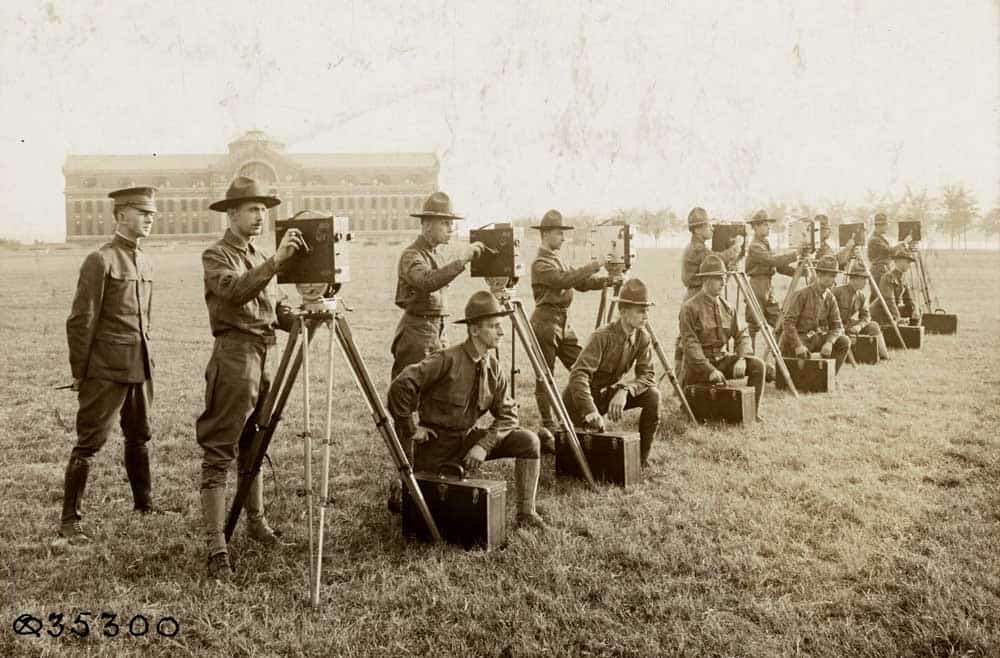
(812, 321)
(595, 385)
(451, 390)
(894, 289)
(707, 322)
(854, 309)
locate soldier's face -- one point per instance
(247, 220)
(488, 332)
(704, 231)
(825, 279)
(761, 229)
(880, 228)
(438, 231)
(857, 282)
(553, 239)
(712, 285)
(824, 232)
(134, 223)
(634, 316)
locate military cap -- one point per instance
(857, 269)
(437, 206)
(827, 264)
(244, 190)
(903, 252)
(140, 198)
(697, 217)
(633, 292)
(553, 219)
(760, 216)
(880, 218)
(711, 266)
(482, 304)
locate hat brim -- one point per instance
(436, 215)
(708, 274)
(553, 228)
(621, 302)
(474, 318)
(226, 204)
(827, 270)
(148, 207)
(762, 221)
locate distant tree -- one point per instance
(918, 206)
(837, 211)
(959, 212)
(876, 202)
(989, 223)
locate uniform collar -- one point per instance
(474, 356)
(545, 251)
(620, 327)
(126, 242)
(423, 243)
(238, 242)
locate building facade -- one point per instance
(377, 191)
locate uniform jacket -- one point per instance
(108, 326)
(605, 359)
(852, 304)
(693, 256)
(896, 294)
(552, 283)
(706, 325)
(762, 264)
(451, 389)
(879, 255)
(240, 291)
(421, 279)
(810, 311)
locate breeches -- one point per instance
(557, 340)
(416, 338)
(100, 400)
(453, 446)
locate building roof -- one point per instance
(201, 161)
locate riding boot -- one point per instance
(526, 484)
(257, 525)
(137, 468)
(74, 484)
(213, 511)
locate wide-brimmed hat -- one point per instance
(553, 219)
(880, 218)
(481, 305)
(903, 252)
(243, 190)
(437, 206)
(760, 216)
(711, 266)
(140, 198)
(697, 217)
(827, 264)
(858, 269)
(633, 292)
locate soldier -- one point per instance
(421, 281)
(843, 254)
(552, 285)
(707, 322)
(244, 309)
(109, 356)
(595, 385)
(761, 266)
(452, 389)
(879, 250)
(812, 321)
(894, 289)
(854, 309)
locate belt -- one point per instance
(244, 337)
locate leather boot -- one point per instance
(70, 525)
(139, 478)
(526, 484)
(257, 526)
(213, 511)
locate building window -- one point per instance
(76, 207)
(184, 205)
(89, 206)
(374, 203)
(340, 204)
(170, 205)
(350, 203)
(393, 203)
(204, 204)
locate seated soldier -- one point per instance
(894, 289)
(812, 321)
(854, 309)
(452, 389)
(594, 386)
(707, 322)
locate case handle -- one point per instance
(451, 466)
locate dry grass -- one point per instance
(861, 523)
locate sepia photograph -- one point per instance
(596, 329)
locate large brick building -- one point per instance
(376, 190)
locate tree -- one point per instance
(989, 224)
(837, 211)
(876, 202)
(959, 211)
(918, 207)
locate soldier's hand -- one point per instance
(617, 405)
(856, 329)
(826, 350)
(717, 378)
(908, 239)
(474, 458)
(423, 434)
(737, 241)
(75, 386)
(595, 420)
(802, 352)
(473, 251)
(291, 243)
(740, 369)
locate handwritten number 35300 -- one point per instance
(137, 626)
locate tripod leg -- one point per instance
(601, 308)
(382, 422)
(796, 277)
(542, 372)
(324, 493)
(885, 307)
(765, 329)
(513, 359)
(671, 375)
(307, 454)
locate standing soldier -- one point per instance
(879, 250)
(109, 356)
(812, 322)
(761, 266)
(894, 289)
(244, 309)
(707, 323)
(843, 254)
(421, 281)
(552, 284)
(854, 309)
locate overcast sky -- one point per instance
(529, 105)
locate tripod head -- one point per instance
(803, 236)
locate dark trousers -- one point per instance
(450, 446)
(649, 417)
(100, 401)
(815, 342)
(557, 340)
(416, 338)
(761, 286)
(756, 372)
(236, 382)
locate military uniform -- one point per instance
(843, 255)
(110, 358)
(596, 376)
(879, 255)
(855, 316)
(897, 297)
(761, 267)
(811, 320)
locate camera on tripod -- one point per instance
(724, 234)
(502, 257)
(803, 235)
(911, 228)
(616, 242)
(325, 262)
(855, 230)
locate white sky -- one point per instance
(530, 105)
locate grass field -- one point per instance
(860, 523)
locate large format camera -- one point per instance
(616, 242)
(803, 235)
(724, 234)
(326, 259)
(911, 228)
(854, 230)
(502, 258)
